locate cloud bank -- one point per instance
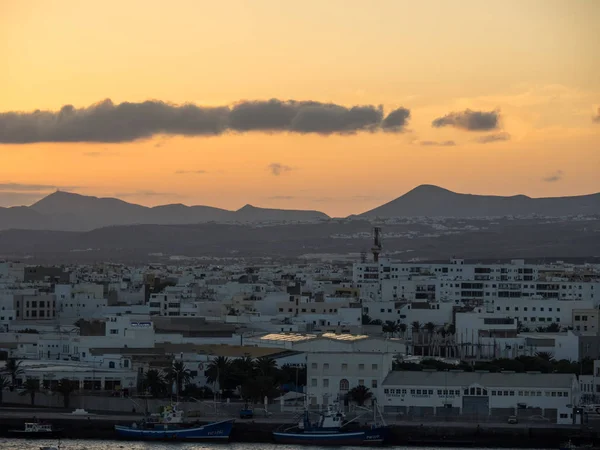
(469, 120)
(125, 122)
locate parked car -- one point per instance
(538, 418)
(513, 420)
(246, 413)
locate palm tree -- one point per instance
(430, 327)
(360, 394)
(155, 383)
(66, 387)
(179, 374)
(219, 371)
(243, 367)
(4, 383)
(546, 356)
(14, 369)
(451, 329)
(416, 326)
(31, 387)
(390, 327)
(402, 328)
(265, 366)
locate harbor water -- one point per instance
(22, 444)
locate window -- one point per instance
(374, 367)
(313, 365)
(325, 382)
(114, 331)
(111, 365)
(126, 365)
(361, 367)
(361, 382)
(326, 366)
(344, 385)
(373, 384)
(344, 366)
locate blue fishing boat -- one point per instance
(330, 430)
(170, 425)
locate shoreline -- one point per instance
(438, 434)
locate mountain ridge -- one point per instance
(67, 211)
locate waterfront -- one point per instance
(21, 444)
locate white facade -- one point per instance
(337, 363)
(482, 394)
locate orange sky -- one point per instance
(535, 61)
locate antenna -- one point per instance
(376, 249)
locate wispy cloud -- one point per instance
(16, 187)
(554, 177)
(187, 172)
(147, 193)
(278, 168)
(126, 122)
(437, 143)
(469, 120)
(282, 197)
(498, 137)
(8, 198)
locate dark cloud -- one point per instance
(126, 122)
(185, 172)
(396, 120)
(469, 120)
(437, 143)
(596, 118)
(16, 187)
(498, 137)
(555, 176)
(278, 168)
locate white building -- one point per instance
(336, 363)
(480, 395)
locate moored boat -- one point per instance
(331, 430)
(170, 425)
(36, 430)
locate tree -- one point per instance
(430, 327)
(14, 369)
(376, 322)
(242, 369)
(293, 374)
(416, 326)
(360, 395)
(553, 328)
(451, 329)
(155, 383)
(402, 327)
(31, 387)
(545, 356)
(266, 366)
(366, 319)
(4, 383)
(179, 374)
(257, 388)
(66, 387)
(390, 327)
(219, 371)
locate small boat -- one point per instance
(36, 430)
(170, 425)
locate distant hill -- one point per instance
(66, 211)
(434, 201)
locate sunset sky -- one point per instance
(515, 86)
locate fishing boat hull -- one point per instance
(320, 438)
(21, 434)
(218, 431)
(377, 435)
